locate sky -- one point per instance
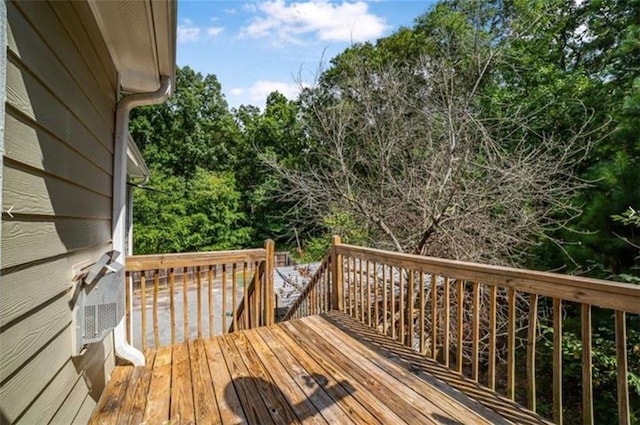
(256, 47)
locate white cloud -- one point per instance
(259, 91)
(230, 11)
(236, 91)
(327, 21)
(213, 31)
(188, 32)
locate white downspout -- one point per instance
(119, 224)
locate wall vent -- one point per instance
(100, 301)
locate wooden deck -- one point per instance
(320, 369)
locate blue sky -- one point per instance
(255, 47)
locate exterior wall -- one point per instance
(57, 185)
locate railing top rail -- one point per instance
(136, 263)
(596, 292)
(324, 264)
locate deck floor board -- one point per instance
(315, 370)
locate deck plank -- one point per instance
(159, 398)
(112, 401)
(254, 408)
(435, 373)
(182, 411)
(204, 398)
(305, 411)
(277, 405)
(315, 370)
(327, 395)
(226, 396)
(138, 390)
(386, 392)
(361, 389)
(426, 398)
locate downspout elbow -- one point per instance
(122, 347)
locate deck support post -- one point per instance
(337, 298)
(269, 297)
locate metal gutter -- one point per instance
(119, 224)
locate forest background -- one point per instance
(505, 132)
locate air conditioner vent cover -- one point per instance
(100, 304)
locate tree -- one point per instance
(406, 152)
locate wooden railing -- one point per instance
(204, 301)
(315, 297)
(474, 318)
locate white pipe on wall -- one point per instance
(119, 224)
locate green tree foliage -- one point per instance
(185, 215)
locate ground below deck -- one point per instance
(326, 369)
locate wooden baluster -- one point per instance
(224, 299)
(347, 283)
(557, 361)
(354, 300)
(245, 300)
(624, 417)
(511, 344)
(185, 302)
(210, 297)
(493, 295)
(199, 300)
(253, 320)
(368, 292)
(257, 296)
(422, 311)
(446, 302)
(385, 308)
(531, 351)
(361, 289)
(143, 309)
(376, 307)
(410, 294)
(156, 290)
(401, 306)
(475, 333)
(234, 301)
(127, 303)
(172, 304)
(392, 278)
(587, 381)
(313, 300)
(459, 324)
(434, 316)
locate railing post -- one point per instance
(269, 291)
(337, 300)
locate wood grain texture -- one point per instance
(315, 370)
(22, 289)
(602, 293)
(76, 50)
(41, 59)
(182, 407)
(511, 344)
(28, 336)
(25, 241)
(624, 417)
(192, 259)
(159, 398)
(557, 361)
(29, 144)
(587, 378)
(532, 336)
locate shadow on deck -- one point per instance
(319, 369)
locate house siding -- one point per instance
(57, 184)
